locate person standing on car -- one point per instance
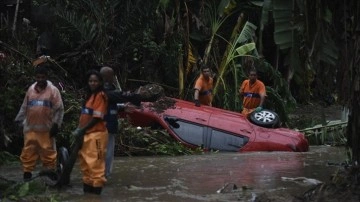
(203, 87)
(115, 96)
(41, 115)
(253, 93)
(93, 134)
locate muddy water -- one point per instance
(211, 177)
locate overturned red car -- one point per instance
(215, 129)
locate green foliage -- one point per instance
(246, 48)
(329, 134)
(72, 104)
(120, 35)
(283, 29)
(28, 191)
(6, 157)
(279, 97)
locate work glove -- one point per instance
(197, 103)
(258, 109)
(78, 133)
(54, 130)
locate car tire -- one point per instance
(62, 158)
(265, 118)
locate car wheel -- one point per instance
(63, 156)
(265, 118)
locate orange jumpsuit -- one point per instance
(205, 89)
(251, 95)
(92, 152)
(38, 112)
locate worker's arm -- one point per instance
(196, 97)
(262, 99)
(116, 96)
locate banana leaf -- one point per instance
(246, 35)
(282, 13)
(246, 48)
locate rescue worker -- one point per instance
(253, 93)
(41, 115)
(115, 98)
(93, 134)
(203, 87)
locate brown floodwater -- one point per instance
(210, 177)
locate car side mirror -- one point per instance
(172, 121)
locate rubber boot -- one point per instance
(27, 176)
(97, 190)
(88, 188)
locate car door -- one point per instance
(189, 126)
(228, 132)
(225, 140)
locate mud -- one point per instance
(162, 104)
(150, 92)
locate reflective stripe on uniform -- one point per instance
(44, 103)
(85, 110)
(98, 113)
(36, 127)
(89, 111)
(253, 95)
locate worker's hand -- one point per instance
(78, 133)
(258, 109)
(197, 103)
(54, 130)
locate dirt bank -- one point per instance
(308, 115)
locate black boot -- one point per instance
(88, 188)
(27, 176)
(97, 190)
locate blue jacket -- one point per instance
(111, 117)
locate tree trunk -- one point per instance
(354, 126)
(354, 119)
(15, 17)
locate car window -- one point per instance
(235, 123)
(224, 141)
(188, 132)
